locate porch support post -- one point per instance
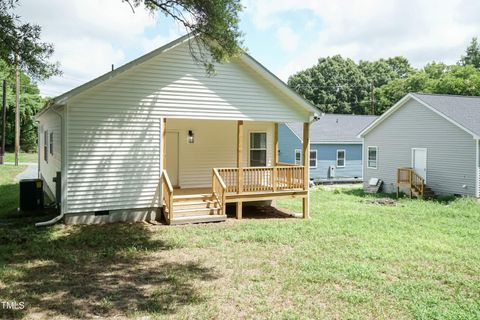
(306, 166)
(275, 145)
(239, 156)
(164, 143)
(239, 210)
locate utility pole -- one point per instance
(4, 119)
(17, 109)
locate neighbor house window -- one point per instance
(45, 145)
(313, 158)
(340, 158)
(258, 149)
(298, 157)
(51, 143)
(372, 160)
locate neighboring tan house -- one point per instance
(160, 135)
(335, 149)
(426, 143)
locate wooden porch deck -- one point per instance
(236, 185)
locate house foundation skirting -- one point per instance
(124, 215)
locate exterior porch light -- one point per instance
(190, 136)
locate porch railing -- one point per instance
(409, 178)
(167, 195)
(258, 179)
(218, 190)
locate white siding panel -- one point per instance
(113, 159)
(173, 85)
(48, 169)
(450, 150)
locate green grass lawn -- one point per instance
(23, 157)
(351, 260)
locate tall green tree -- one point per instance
(31, 103)
(215, 24)
(20, 43)
(472, 55)
(334, 84)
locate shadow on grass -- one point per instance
(259, 212)
(88, 271)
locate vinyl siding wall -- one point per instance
(50, 122)
(113, 154)
(215, 146)
(326, 155)
(450, 150)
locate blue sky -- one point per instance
(286, 36)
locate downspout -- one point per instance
(60, 216)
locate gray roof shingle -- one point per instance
(464, 110)
(331, 128)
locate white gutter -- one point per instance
(59, 217)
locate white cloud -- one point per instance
(369, 29)
(288, 38)
(91, 35)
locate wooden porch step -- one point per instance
(194, 204)
(195, 212)
(192, 197)
(198, 219)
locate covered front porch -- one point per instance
(237, 184)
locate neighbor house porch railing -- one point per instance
(408, 177)
(261, 179)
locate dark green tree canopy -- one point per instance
(214, 23)
(334, 84)
(23, 40)
(472, 54)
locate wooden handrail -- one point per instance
(408, 177)
(219, 190)
(167, 195)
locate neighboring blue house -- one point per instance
(335, 150)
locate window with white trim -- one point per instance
(372, 157)
(45, 145)
(258, 149)
(313, 158)
(51, 143)
(298, 157)
(341, 157)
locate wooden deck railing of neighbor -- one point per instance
(409, 178)
(263, 179)
(167, 195)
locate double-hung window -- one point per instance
(258, 149)
(298, 157)
(51, 143)
(313, 158)
(45, 145)
(341, 156)
(372, 157)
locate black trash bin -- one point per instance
(31, 195)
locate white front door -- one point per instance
(172, 157)
(419, 161)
